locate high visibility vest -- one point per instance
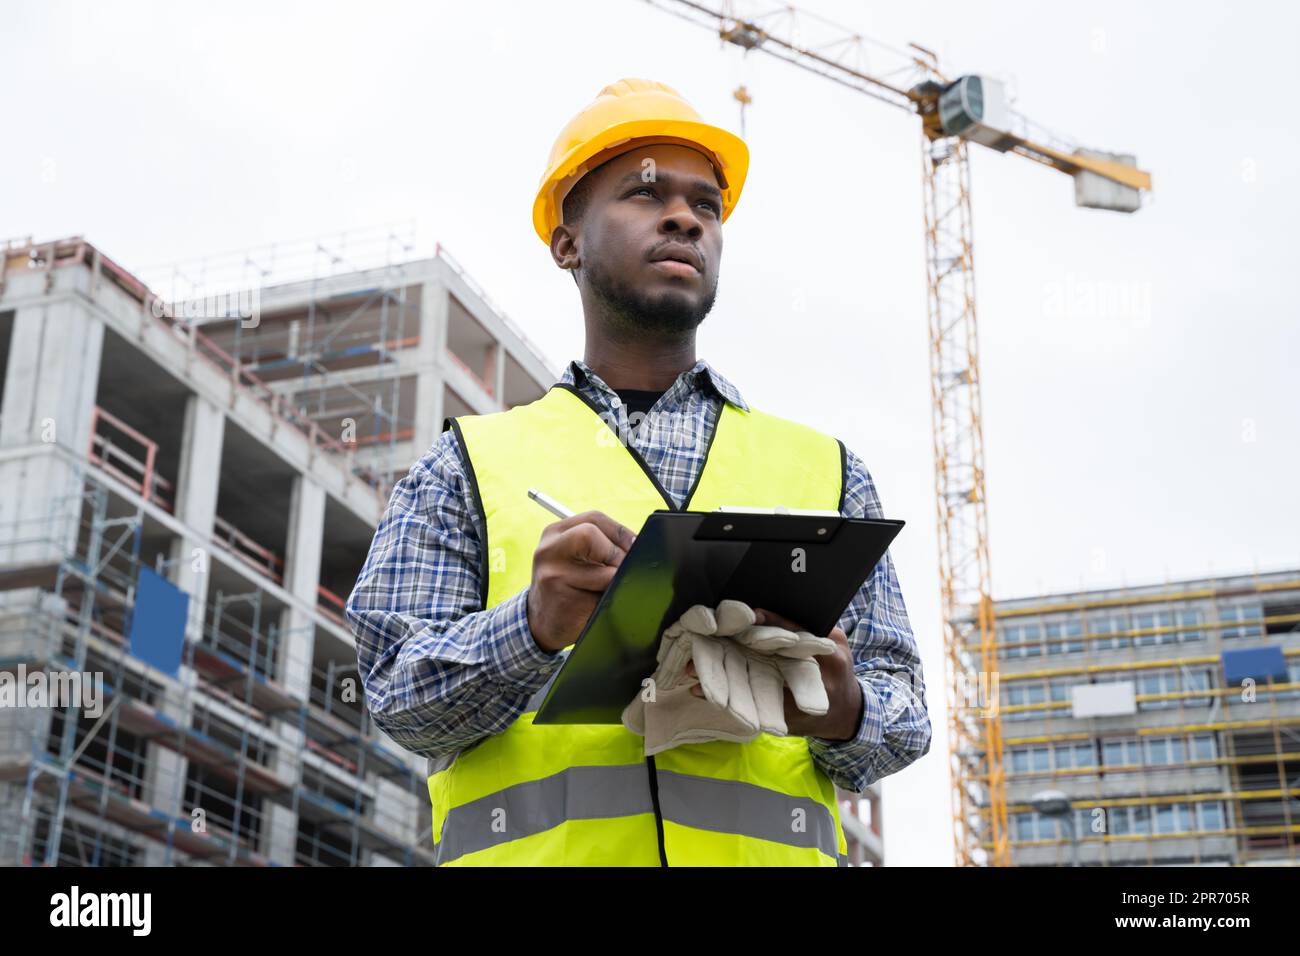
(585, 794)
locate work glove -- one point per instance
(742, 667)
(667, 714)
(789, 653)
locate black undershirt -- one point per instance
(638, 399)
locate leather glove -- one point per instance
(742, 668)
(778, 658)
(667, 714)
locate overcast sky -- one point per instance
(1139, 372)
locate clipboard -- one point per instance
(805, 567)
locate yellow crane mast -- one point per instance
(954, 112)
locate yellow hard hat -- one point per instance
(626, 115)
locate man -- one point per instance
(471, 592)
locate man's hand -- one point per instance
(843, 690)
(575, 560)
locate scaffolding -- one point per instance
(195, 764)
(329, 349)
(1198, 771)
(189, 431)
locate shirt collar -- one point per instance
(700, 376)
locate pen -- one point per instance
(550, 504)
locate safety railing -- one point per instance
(130, 456)
(404, 434)
(330, 604)
(255, 555)
(45, 257)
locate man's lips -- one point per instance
(675, 268)
(682, 256)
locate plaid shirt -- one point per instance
(441, 673)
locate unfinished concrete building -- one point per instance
(1154, 725)
(210, 463)
(228, 477)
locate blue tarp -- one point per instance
(1258, 663)
(158, 624)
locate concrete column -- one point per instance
(196, 503)
(297, 641)
(165, 770)
(50, 387)
(49, 399)
(394, 813)
(196, 506)
(301, 578)
(428, 380)
(280, 824)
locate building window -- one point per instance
(1074, 756)
(1190, 619)
(1022, 695)
(1086, 818)
(1157, 621)
(1120, 752)
(1211, 815)
(1157, 682)
(1023, 826)
(1019, 759)
(1049, 828)
(1144, 622)
(1197, 680)
(1174, 818)
(1241, 612)
(1085, 755)
(1035, 826)
(1022, 640)
(1166, 751)
(1204, 747)
(1109, 625)
(1008, 641)
(1064, 637)
(1061, 689)
(1141, 819)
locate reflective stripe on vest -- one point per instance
(585, 794)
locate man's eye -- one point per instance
(713, 206)
(643, 189)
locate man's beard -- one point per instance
(636, 313)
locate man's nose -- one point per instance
(679, 217)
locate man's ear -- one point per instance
(564, 248)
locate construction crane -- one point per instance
(953, 112)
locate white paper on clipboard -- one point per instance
(779, 510)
